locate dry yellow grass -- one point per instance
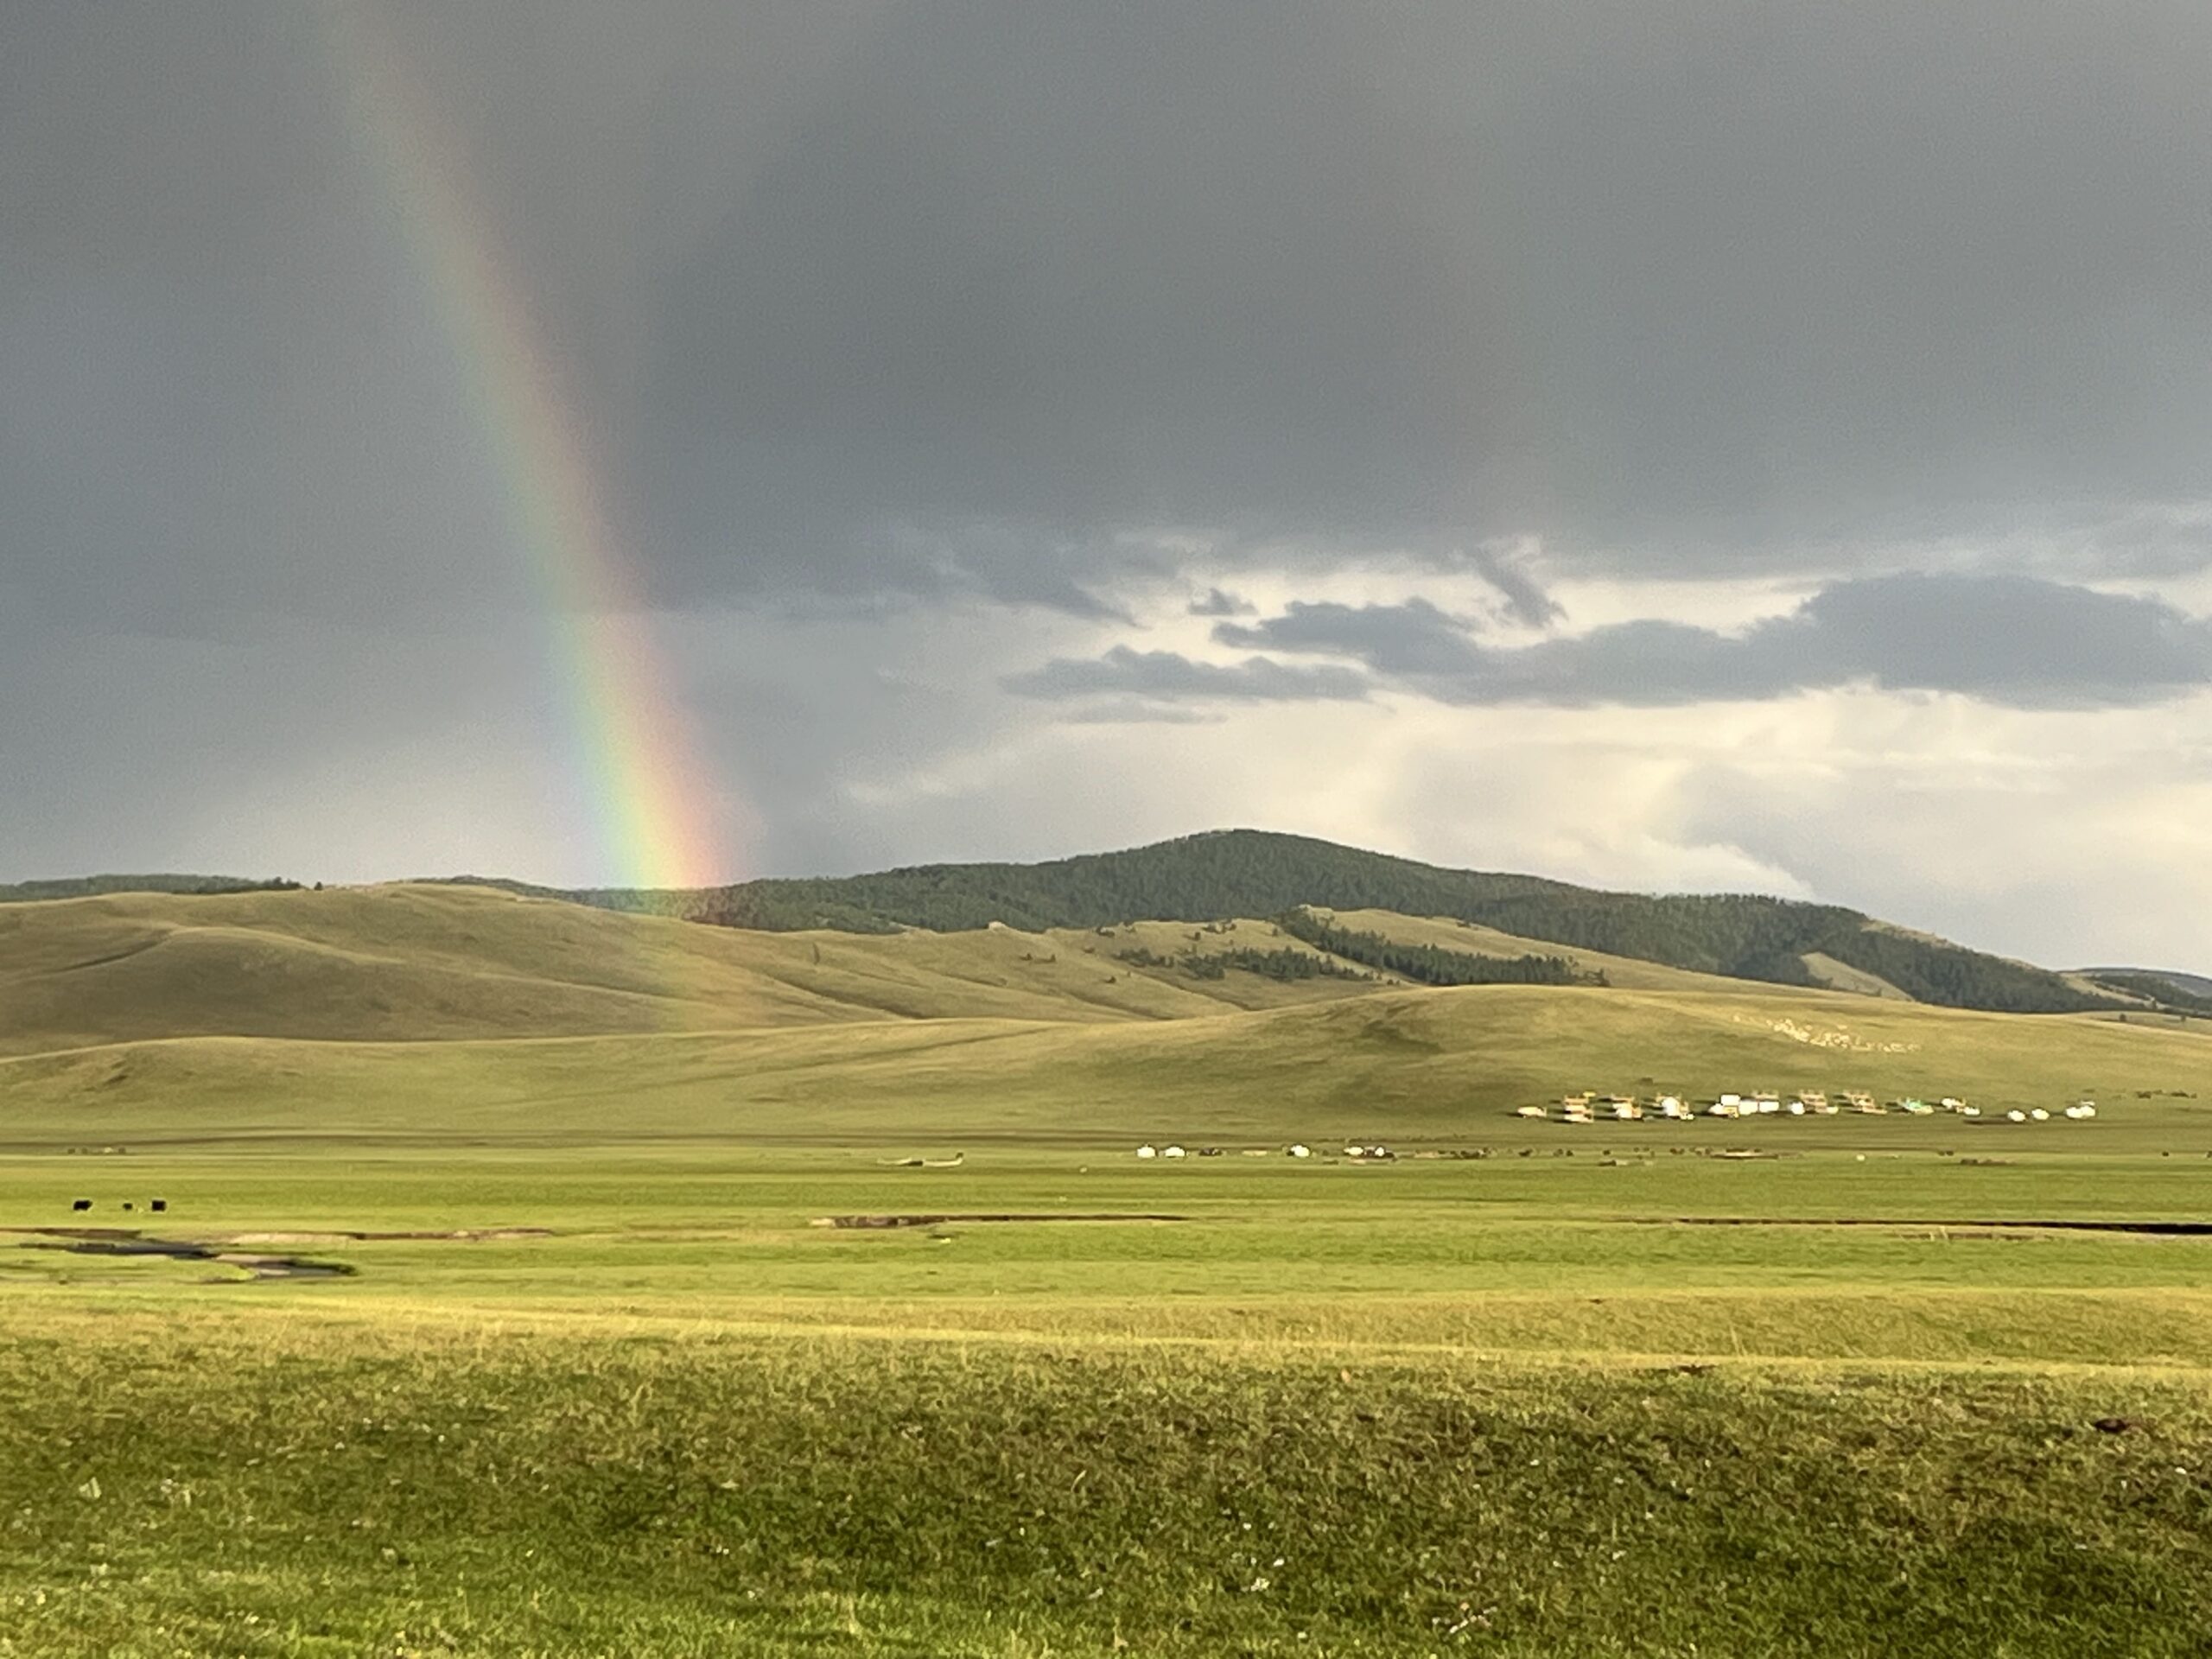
(411, 962)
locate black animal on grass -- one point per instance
(81, 1205)
(157, 1205)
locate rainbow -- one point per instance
(658, 824)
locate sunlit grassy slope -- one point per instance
(456, 1011)
(414, 963)
(1437, 1064)
(1842, 976)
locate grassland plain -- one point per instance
(595, 1380)
(1508, 1405)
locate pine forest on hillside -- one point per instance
(1252, 873)
(1255, 872)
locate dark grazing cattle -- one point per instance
(158, 1204)
(82, 1205)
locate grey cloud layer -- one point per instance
(1681, 276)
(1168, 675)
(937, 300)
(1524, 601)
(2005, 640)
(913, 343)
(1217, 602)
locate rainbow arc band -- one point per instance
(656, 817)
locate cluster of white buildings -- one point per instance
(1629, 1109)
(1812, 1103)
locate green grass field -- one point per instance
(593, 1378)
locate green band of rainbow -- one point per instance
(657, 819)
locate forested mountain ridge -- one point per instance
(1221, 872)
(1261, 873)
(1253, 872)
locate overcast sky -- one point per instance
(1657, 443)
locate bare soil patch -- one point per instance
(883, 1222)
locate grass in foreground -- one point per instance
(246, 1485)
(1508, 1405)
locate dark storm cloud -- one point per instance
(1411, 639)
(955, 336)
(224, 395)
(940, 302)
(1216, 602)
(1701, 279)
(2008, 638)
(1525, 602)
(2004, 640)
(1169, 676)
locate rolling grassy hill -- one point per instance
(1432, 1064)
(2196, 985)
(1254, 873)
(419, 962)
(462, 1011)
(82, 886)
(2156, 988)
